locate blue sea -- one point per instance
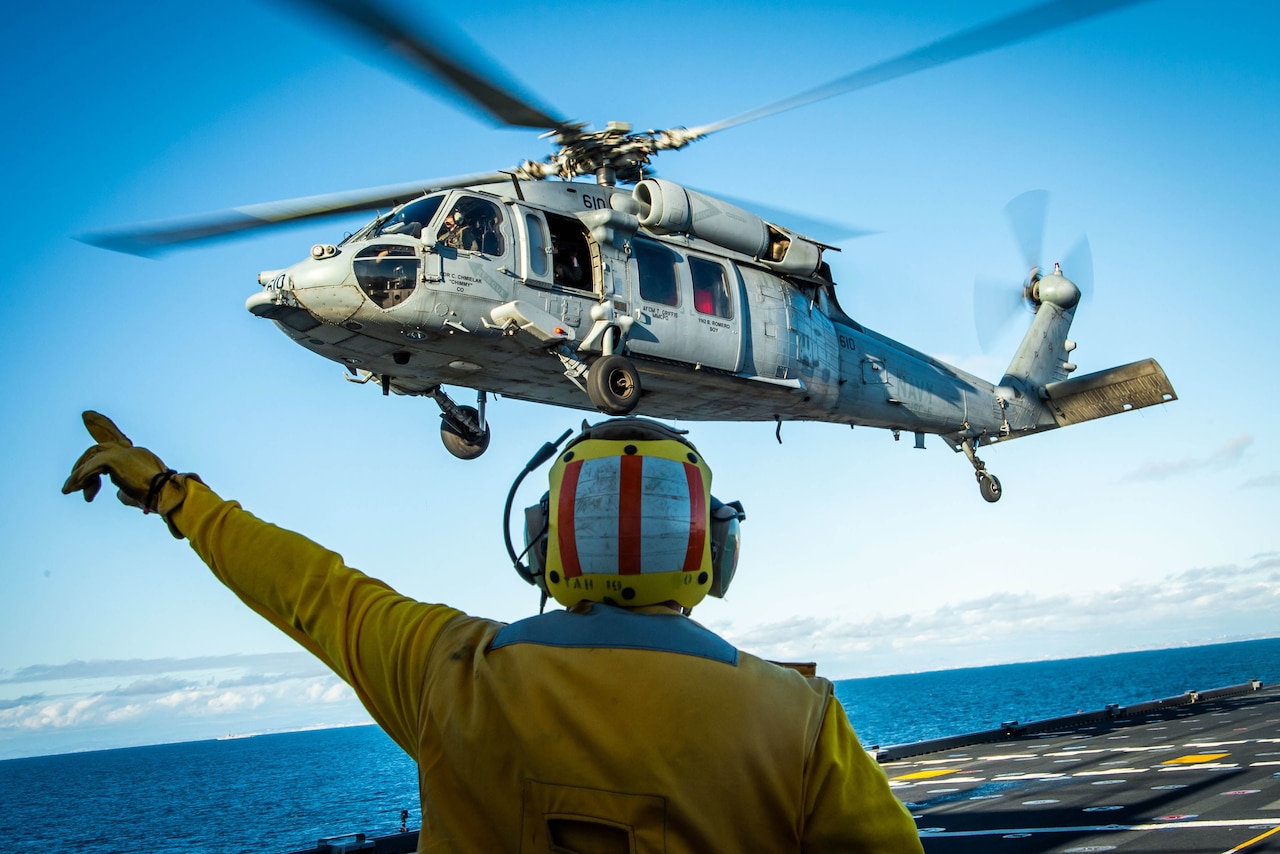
(283, 792)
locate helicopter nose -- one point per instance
(308, 294)
(325, 287)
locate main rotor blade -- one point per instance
(149, 239)
(1027, 214)
(825, 231)
(1009, 30)
(425, 50)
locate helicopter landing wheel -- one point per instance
(462, 442)
(613, 384)
(989, 485)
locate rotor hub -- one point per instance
(1057, 289)
(613, 154)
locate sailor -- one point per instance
(566, 268)
(616, 724)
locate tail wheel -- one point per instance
(462, 442)
(989, 484)
(613, 384)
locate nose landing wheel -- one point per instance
(464, 442)
(613, 384)
(463, 429)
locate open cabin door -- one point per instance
(559, 266)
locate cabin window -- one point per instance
(656, 269)
(570, 254)
(710, 288)
(387, 273)
(537, 245)
(411, 218)
(474, 225)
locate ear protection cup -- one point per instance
(535, 540)
(726, 543)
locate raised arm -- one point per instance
(374, 638)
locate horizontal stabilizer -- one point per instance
(1108, 392)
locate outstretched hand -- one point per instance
(139, 475)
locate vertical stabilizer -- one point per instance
(1042, 356)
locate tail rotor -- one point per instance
(998, 302)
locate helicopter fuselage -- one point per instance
(554, 272)
(544, 291)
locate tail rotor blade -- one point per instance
(996, 304)
(1077, 265)
(1027, 217)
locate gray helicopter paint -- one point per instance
(786, 352)
(677, 332)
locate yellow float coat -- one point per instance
(592, 731)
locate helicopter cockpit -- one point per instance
(474, 225)
(409, 219)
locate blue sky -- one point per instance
(1153, 128)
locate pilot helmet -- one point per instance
(629, 520)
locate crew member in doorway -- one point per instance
(568, 271)
(615, 724)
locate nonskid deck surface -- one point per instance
(1197, 773)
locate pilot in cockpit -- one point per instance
(451, 233)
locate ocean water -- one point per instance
(914, 707)
(282, 792)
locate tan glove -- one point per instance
(143, 480)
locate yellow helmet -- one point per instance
(630, 520)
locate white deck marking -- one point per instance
(1163, 827)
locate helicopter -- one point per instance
(628, 293)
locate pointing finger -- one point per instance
(103, 429)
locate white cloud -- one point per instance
(1187, 606)
(264, 663)
(200, 698)
(40, 713)
(1229, 454)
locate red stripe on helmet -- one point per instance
(630, 507)
(564, 520)
(697, 518)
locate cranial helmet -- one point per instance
(629, 519)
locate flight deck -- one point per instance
(1198, 772)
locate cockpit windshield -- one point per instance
(408, 220)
